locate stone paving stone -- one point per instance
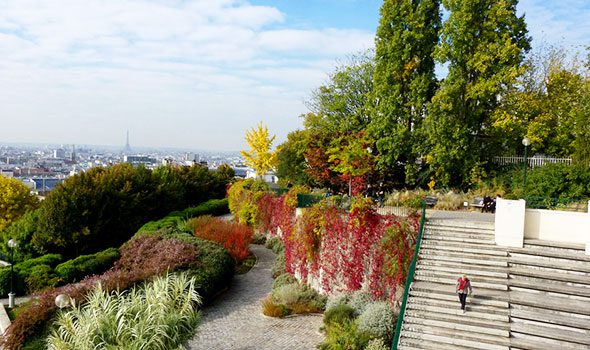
(235, 320)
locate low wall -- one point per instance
(554, 225)
(548, 225)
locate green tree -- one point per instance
(260, 157)
(483, 42)
(291, 163)
(15, 200)
(404, 83)
(340, 105)
(350, 156)
(549, 106)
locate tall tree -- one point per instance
(404, 82)
(340, 105)
(484, 43)
(291, 163)
(260, 157)
(15, 200)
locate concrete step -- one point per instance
(431, 341)
(458, 254)
(544, 285)
(558, 264)
(538, 329)
(488, 294)
(546, 301)
(460, 319)
(460, 259)
(448, 278)
(548, 253)
(459, 337)
(463, 248)
(486, 246)
(457, 224)
(428, 237)
(409, 321)
(529, 342)
(483, 309)
(459, 269)
(410, 343)
(576, 248)
(549, 275)
(486, 239)
(456, 311)
(563, 270)
(474, 300)
(550, 317)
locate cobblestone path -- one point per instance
(235, 320)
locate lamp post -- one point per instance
(12, 245)
(525, 142)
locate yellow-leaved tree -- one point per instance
(260, 157)
(15, 200)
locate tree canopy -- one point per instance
(260, 157)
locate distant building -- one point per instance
(127, 149)
(59, 153)
(145, 160)
(269, 177)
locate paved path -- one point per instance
(235, 320)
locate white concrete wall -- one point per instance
(509, 222)
(554, 225)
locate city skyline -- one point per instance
(190, 74)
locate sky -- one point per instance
(191, 74)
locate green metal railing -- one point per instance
(409, 280)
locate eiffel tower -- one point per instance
(127, 149)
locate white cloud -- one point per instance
(177, 73)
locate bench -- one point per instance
(430, 201)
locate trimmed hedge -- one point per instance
(85, 265)
(211, 207)
(27, 271)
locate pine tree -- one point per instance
(483, 42)
(404, 82)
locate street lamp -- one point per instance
(12, 244)
(525, 142)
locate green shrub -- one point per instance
(344, 336)
(359, 299)
(377, 320)
(279, 266)
(26, 270)
(177, 218)
(376, 344)
(283, 279)
(275, 244)
(337, 314)
(214, 268)
(40, 277)
(85, 265)
(336, 299)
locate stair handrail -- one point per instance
(409, 280)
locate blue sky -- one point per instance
(192, 74)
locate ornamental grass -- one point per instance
(160, 315)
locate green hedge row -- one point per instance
(48, 271)
(211, 207)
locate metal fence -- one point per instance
(532, 161)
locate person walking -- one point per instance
(462, 288)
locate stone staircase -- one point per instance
(549, 286)
(537, 297)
